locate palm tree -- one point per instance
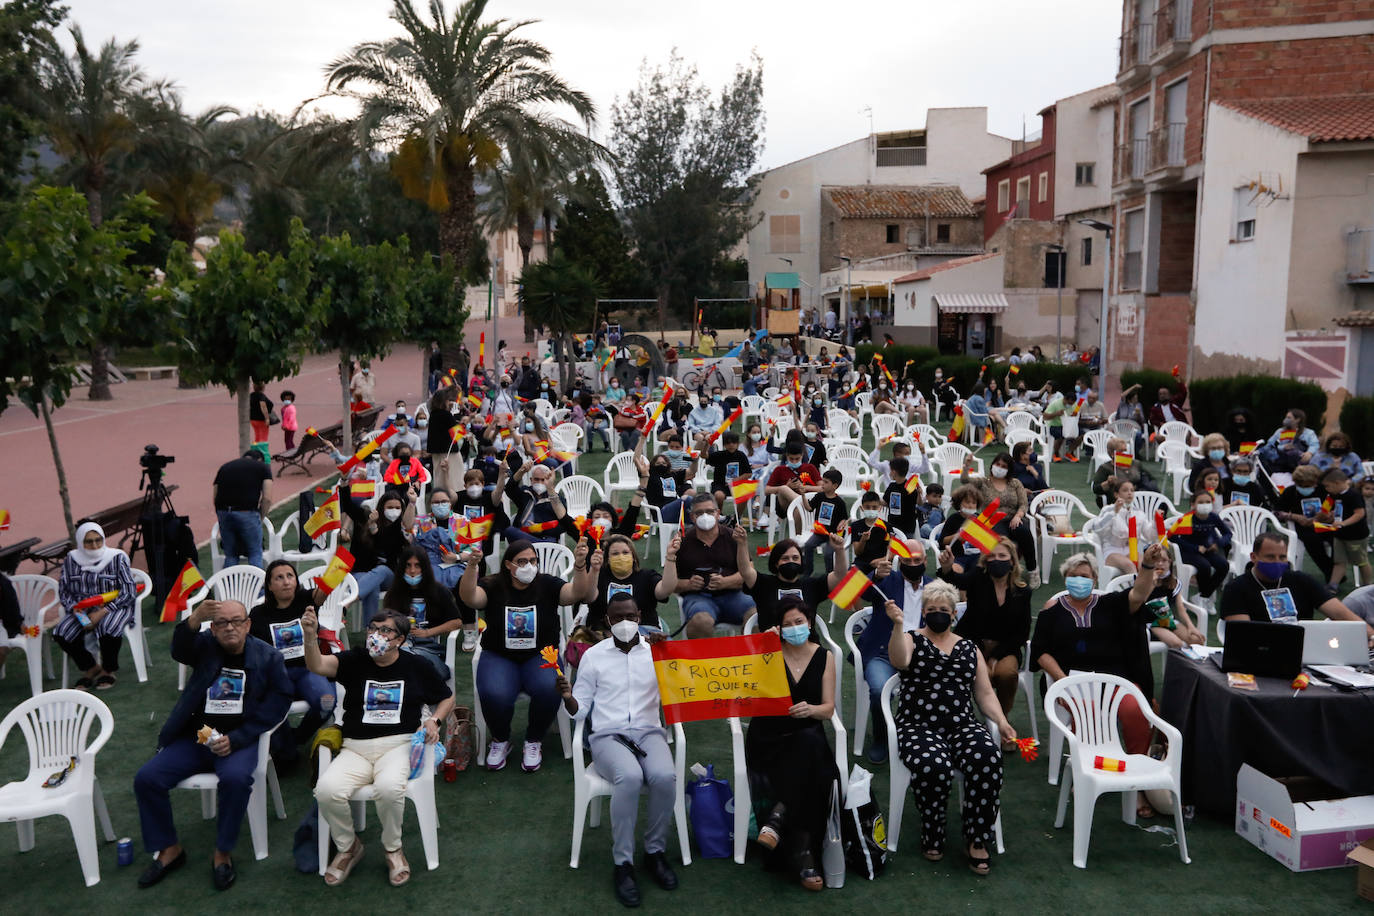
(561, 295)
(451, 94)
(85, 105)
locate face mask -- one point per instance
(440, 510)
(412, 580)
(755, 437)
(1289, 423)
(377, 645)
(1273, 571)
(529, 427)
(817, 401)
(794, 464)
(717, 398)
(796, 635)
(422, 423)
(674, 452)
(938, 621)
(1079, 586)
(870, 514)
(404, 457)
(705, 522)
(1335, 449)
(392, 514)
(474, 491)
(703, 404)
(525, 574)
(998, 568)
(810, 434)
(1076, 389)
(1241, 479)
(615, 384)
(1203, 510)
(285, 401)
(539, 488)
(998, 471)
(1216, 454)
(603, 523)
(662, 470)
(968, 513)
(789, 571)
(625, 630)
(913, 572)
(1306, 491)
(622, 565)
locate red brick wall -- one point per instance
(1242, 14)
(1323, 66)
(1167, 324)
(1178, 223)
(1030, 166)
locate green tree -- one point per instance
(451, 94)
(247, 317)
(561, 295)
(60, 279)
(25, 36)
(590, 235)
(682, 164)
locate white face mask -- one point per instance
(1203, 510)
(706, 522)
(392, 514)
(870, 514)
(525, 574)
(539, 488)
(969, 513)
(377, 645)
(603, 523)
(475, 491)
(625, 630)
(999, 471)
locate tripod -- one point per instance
(151, 531)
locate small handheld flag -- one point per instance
(188, 581)
(734, 415)
(1132, 541)
(1248, 447)
(956, 429)
(1184, 525)
(104, 598)
(898, 546)
(979, 535)
(334, 574)
(850, 588)
(324, 519)
(4, 519)
(743, 490)
(365, 452)
(1160, 531)
(913, 483)
(1122, 460)
(1109, 764)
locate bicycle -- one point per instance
(709, 376)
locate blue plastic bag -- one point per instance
(710, 809)
(417, 754)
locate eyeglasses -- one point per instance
(228, 624)
(526, 561)
(385, 631)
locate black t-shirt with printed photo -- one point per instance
(901, 508)
(727, 466)
(280, 628)
(640, 585)
(1344, 505)
(769, 591)
(664, 488)
(469, 508)
(521, 621)
(829, 511)
(381, 700)
(223, 709)
(1294, 597)
(427, 612)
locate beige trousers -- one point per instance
(384, 764)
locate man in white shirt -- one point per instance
(617, 688)
(706, 417)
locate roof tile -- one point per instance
(926, 273)
(899, 202)
(1321, 119)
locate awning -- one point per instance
(971, 303)
(782, 280)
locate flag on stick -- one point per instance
(187, 583)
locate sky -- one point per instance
(825, 65)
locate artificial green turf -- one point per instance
(505, 838)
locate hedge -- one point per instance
(1150, 381)
(897, 355)
(1357, 422)
(1267, 397)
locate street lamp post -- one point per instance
(846, 314)
(1106, 229)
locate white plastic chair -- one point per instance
(1126, 429)
(855, 625)
(56, 726)
(1247, 522)
(930, 436)
(344, 598)
(949, 459)
(322, 547)
(1096, 441)
(578, 493)
(886, 426)
(241, 583)
(753, 408)
(1022, 419)
(900, 777)
(264, 780)
(1149, 503)
(420, 791)
(135, 632)
(567, 437)
(269, 545)
(1041, 506)
(622, 468)
(854, 474)
(37, 596)
(1091, 702)
(589, 788)
(847, 429)
(1175, 456)
(1177, 431)
(846, 451)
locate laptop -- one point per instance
(1263, 649)
(1335, 642)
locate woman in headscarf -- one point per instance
(93, 569)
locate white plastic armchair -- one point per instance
(269, 544)
(578, 493)
(1096, 441)
(240, 583)
(949, 459)
(929, 436)
(886, 426)
(134, 632)
(37, 596)
(1246, 523)
(620, 475)
(843, 427)
(1091, 703)
(567, 437)
(344, 598)
(321, 548)
(1053, 502)
(1175, 456)
(1149, 503)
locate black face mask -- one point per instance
(913, 572)
(998, 568)
(938, 621)
(790, 571)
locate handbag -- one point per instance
(865, 834)
(458, 727)
(273, 418)
(832, 845)
(711, 811)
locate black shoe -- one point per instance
(224, 875)
(157, 871)
(657, 865)
(626, 888)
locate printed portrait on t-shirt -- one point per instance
(224, 696)
(615, 589)
(825, 513)
(1280, 605)
(288, 638)
(520, 627)
(382, 701)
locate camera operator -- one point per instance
(243, 494)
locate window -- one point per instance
(894, 234)
(1044, 190)
(1023, 189)
(1083, 173)
(1132, 262)
(784, 234)
(1003, 195)
(1245, 215)
(942, 233)
(1086, 252)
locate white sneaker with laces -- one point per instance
(469, 640)
(496, 756)
(533, 756)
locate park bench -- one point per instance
(121, 519)
(325, 440)
(144, 373)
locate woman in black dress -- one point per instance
(789, 757)
(937, 731)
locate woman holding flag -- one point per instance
(1121, 530)
(1012, 499)
(376, 541)
(89, 574)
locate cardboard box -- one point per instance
(1300, 821)
(1363, 856)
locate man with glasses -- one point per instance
(237, 689)
(708, 573)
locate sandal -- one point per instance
(933, 855)
(85, 683)
(810, 877)
(979, 865)
(343, 863)
(399, 868)
(770, 834)
(105, 682)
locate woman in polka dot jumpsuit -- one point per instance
(937, 730)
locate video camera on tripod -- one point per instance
(153, 466)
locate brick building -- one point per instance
(869, 221)
(1022, 187)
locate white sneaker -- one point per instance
(533, 756)
(496, 756)
(469, 640)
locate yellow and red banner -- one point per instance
(956, 429)
(1132, 540)
(722, 677)
(187, 583)
(1184, 525)
(104, 598)
(1014, 370)
(324, 519)
(481, 349)
(473, 531)
(1248, 447)
(851, 588)
(540, 527)
(979, 535)
(913, 483)
(1122, 460)
(362, 489)
(1110, 764)
(4, 519)
(1288, 435)
(734, 415)
(743, 489)
(333, 576)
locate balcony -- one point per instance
(1137, 45)
(900, 156)
(1166, 151)
(1130, 165)
(1173, 31)
(1359, 256)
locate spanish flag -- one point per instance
(333, 576)
(820, 529)
(851, 588)
(743, 489)
(988, 435)
(763, 551)
(324, 519)
(1288, 435)
(1122, 460)
(979, 535)
(1077, 406)
(898, 546)
(1184, 525)
(481, 349)
(187, 583)
(362, 489)
(540, 527)
(474, 401)
(1132, 541)
(734, 415)
(367, 449)
(1160, 529)
(784, 400)
(1322, 527)
(1014, 370)
(1111, 764)
(475, 530)
(641, 531)
(698, 362)
(1248, 447)
(606, 363)
(913, 483)
(990, 516)
(956, 429)
(456, 433)
(4, 519)
(721, 677)
(104, 598)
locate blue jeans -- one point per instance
(240, 535)
(877, 671)
(432, 651)
(500, 681)
(315, 689)
(724, 607)
(814, 543)
(370, 586)
(182, 758)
